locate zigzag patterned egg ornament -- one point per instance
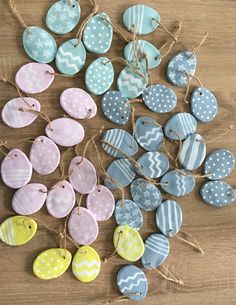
(16, 169)
(169, 218)
(98, 34)
(29, 199)
(148, 133)
(60, 199)
(78, 103)
(99, 76)
(34, 77)
(159, 98)
(17, 230)
(86, 264)
(132, 282)
(116, 107)
(141, 17)
(121, 140)
(70, 57)
(52, 263)
(63, 16)
(128, 243)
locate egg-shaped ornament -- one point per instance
(13, 115)
(39, 44)
(63, 16)
(16, 169)
(99, 76)
(78, 104)
(70, 57)
(29, 199)
(34, 77)
(98, 34)
(51, 263)
(86, 264)
(17, 230)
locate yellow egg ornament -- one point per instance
(17, 230)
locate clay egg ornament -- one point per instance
(116, 107)
(145, 194)
(63, 16)
(16, 169)
(60, 199)
(39, 44)
(180, 66)
(82, 175)
(217, 193)
(219, 164)
(29, 199)
(159, 98)
(128, 213)
(34, 77)
(44, 155)
(121, 140)
(101, 203)
(99, 76)
(142, 18)
(17, 230)
(128, 243)
(65, 132)
(180, 126)
(70, 57)
(86, 264)
(132, 282)
(98, 34)
(148, 133)
(204, 105)
(52, 263)
(157, 248)
(78, 103)
(169, 218)
(14, 117)
(193, 152)
(83, 226)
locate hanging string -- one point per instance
(187, 174)
(133, 125)
(3, 144)
(42, 115)
(190, 77)
(230, 128)
(17, 14)
(122, 298)
(79, 198)
(63, 235)
(172, 277)
(197, 48)
(165, 29)
(62, 164)
(179, 147)
(116, 30)
(114, 253)
(193, 244)
(63, 75)
(167, 151)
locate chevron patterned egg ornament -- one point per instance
(86, 264)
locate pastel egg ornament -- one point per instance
(116, 107)
(132, 282)
(44, 155)
(204, 105)
(217, 193)
(39, 44)
(159, 98)
(78, 104)
(34, 77)
(29, 199)
(141, 17)
(16, 169)
(60, 199)
(82, 226)
(128, 243)
(65, 132)
(14, 117)
(86, 264)
(98, 34)
(17, 230)
(63, 16)
(219, 164)
(70, 57)
(51, 263)
(181, 67)
(169, 218)
(99, 76)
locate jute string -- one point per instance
(197, 48)
(4, 144)
(114, 253)
(116, 30)
(190, 77)
(194, 244)
(39, 113)
(17, 15)
(165, 29)
(63, 75)
(171, 278)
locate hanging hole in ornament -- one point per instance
(33, 105)
(29, 227)
(15, 155)
(122, 118)
(200, 93)
(63, 186)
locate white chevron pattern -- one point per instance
(67, 63)
(149, 137)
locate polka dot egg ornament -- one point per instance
(51, 263)
(17, 230)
